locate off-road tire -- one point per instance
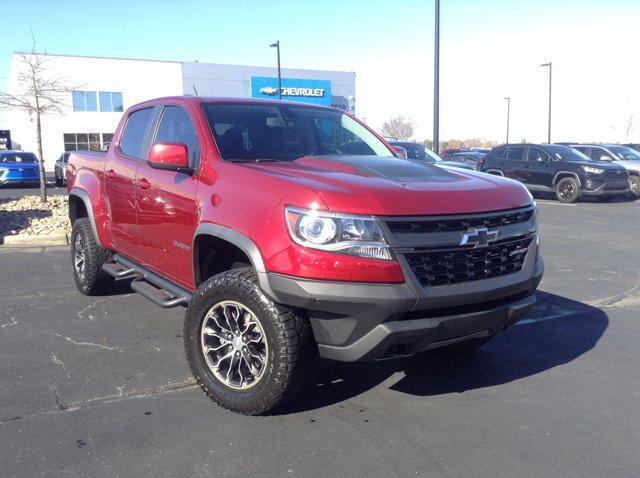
(291, 348)
(634, 184)
(564, 183)
(94, 280)
(58, 181)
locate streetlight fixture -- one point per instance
(436, 82)
(549, 123)
(276, 45)
(508, 98)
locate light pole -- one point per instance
(549, 124)
(436, 82)
(276, 45)
(508, 98)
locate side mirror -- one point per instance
(604, 157)
(169, 157)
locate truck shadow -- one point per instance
(557, 331)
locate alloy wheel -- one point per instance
(79, 255)
(234, 345)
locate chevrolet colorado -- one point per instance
(291, 231)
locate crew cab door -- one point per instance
(514, 163)
(167, 209)
(120, 175)
(538, 168)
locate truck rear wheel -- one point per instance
(567, 190)
(87, 258)
(249, 354)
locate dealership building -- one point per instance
(102, 88)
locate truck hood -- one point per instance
(396, 186)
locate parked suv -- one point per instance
(559, 169)
(60, 168)
(625, 156)
(19, 167)
(286, 244)
(421, 153)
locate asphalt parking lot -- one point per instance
(100, 386)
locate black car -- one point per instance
(421, 153)
(61, 167)
(472, 158)
(559, 169)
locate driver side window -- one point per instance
(537, 155)
(176, 127)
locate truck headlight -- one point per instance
(355, 235)
(592, 170)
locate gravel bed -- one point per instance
(27, 215)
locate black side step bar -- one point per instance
(157, 289)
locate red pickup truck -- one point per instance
(293, 231)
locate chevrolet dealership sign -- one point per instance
(293, 89)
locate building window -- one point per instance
(84, 101)
(86, 141)
(110, 101)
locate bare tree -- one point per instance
(398, 128)
(39, 93)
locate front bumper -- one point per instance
(356, 321)
(609, 188)
(11, 177)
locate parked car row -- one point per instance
(418, 151)
(565, 170)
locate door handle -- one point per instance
(111, 174)
(143, 183)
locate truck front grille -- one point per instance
(459, 264)
(459, 224)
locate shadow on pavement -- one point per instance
(533, 346)
(17, 220)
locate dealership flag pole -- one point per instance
(508, 98)
(436, 83)
(549, 123)
(277, 46)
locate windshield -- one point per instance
(284, 132)
(625, 152)
(431, 156)
(18, 158)
(565, 153)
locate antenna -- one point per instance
(194, 89)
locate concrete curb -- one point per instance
(34, 240)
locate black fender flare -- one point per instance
(83, 196)
(238, 239)
(570, 173)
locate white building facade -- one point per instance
(104, 87)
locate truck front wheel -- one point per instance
(249, 354)
(87, 258)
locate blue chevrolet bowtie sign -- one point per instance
(293, 89)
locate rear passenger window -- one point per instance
(499, 154)
(516, 153)
(134, 131)
(176, 127)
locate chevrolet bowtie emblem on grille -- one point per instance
(478, 237)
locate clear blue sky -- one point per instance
(387, 43)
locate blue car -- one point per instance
(18, 167)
